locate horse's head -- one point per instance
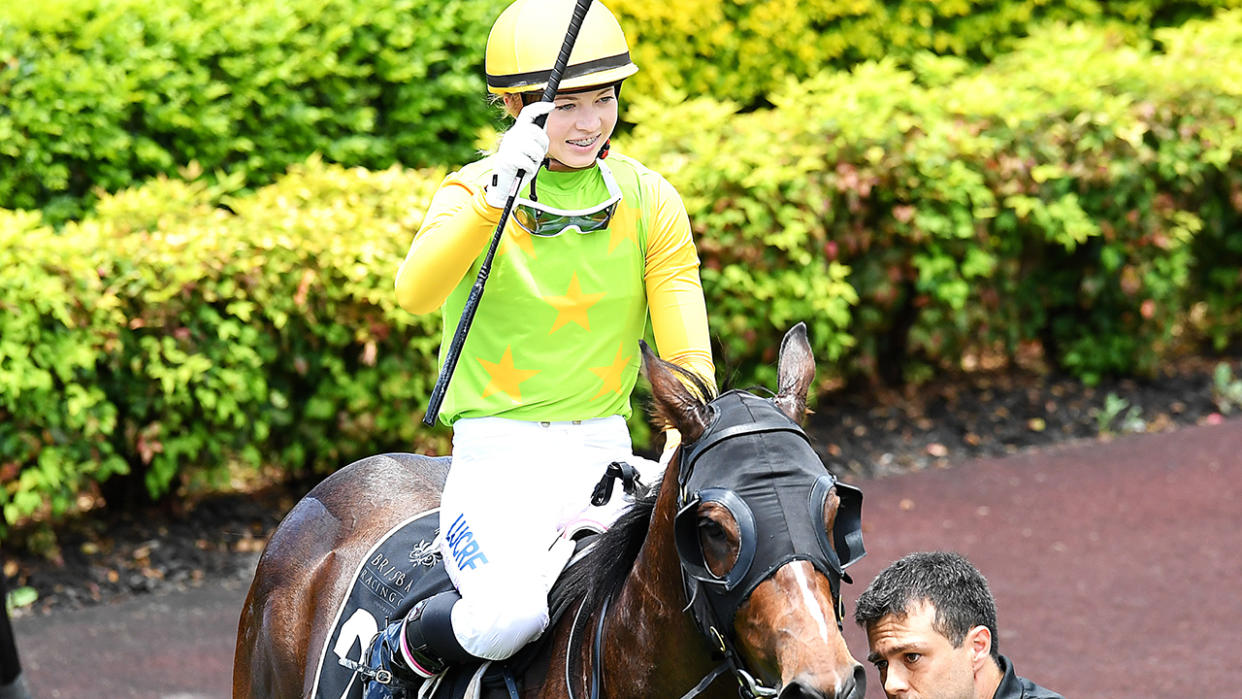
(764, 532)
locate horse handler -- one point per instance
(931, 627)
(597, 244)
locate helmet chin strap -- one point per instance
(547, 164)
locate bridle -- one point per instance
(778, 498)
(783, 480)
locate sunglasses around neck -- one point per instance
(548, 222)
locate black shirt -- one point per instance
(1014, 687)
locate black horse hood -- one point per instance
(777, 499)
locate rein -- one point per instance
(630, 483)
(749, 687)
(597, 646)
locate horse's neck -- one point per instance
(651, 645)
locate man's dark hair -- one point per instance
(946, 580)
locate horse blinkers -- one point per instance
(777, 501)
(830, 556)
(847, 541)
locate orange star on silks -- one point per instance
(504, 377)
(623, 227)
(611, 374)
(516, 237)
(573, 306)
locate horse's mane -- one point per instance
(602, 570)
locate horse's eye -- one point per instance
(831, 504)
(718, 538)
(710, 529)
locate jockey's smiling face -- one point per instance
(578, 127)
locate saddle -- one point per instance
(402, 563)
(403, 567)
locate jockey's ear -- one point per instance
(676, 404)
(796, 370)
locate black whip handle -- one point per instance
(562, 58)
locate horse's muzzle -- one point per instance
(855, 687)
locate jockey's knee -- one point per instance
(495, 626)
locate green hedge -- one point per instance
(103, 94)
(1075, 194)
(742, 51)
(166, 336)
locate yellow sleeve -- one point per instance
(457, 227)
(674, 291)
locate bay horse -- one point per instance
(732, 565)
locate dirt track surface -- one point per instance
(1116, 569)
(175, 646)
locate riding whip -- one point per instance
(476, 292)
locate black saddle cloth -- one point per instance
(401, 568)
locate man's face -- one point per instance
(915, 661)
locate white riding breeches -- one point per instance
(513, 486)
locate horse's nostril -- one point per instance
(855, 687)
(799, 690)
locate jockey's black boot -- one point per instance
(429, 644)
(422, 645)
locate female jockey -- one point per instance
(538, 403)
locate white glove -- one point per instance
(523, 147)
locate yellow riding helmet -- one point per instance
(526, 39)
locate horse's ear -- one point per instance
(675, 402)
(796, 370)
